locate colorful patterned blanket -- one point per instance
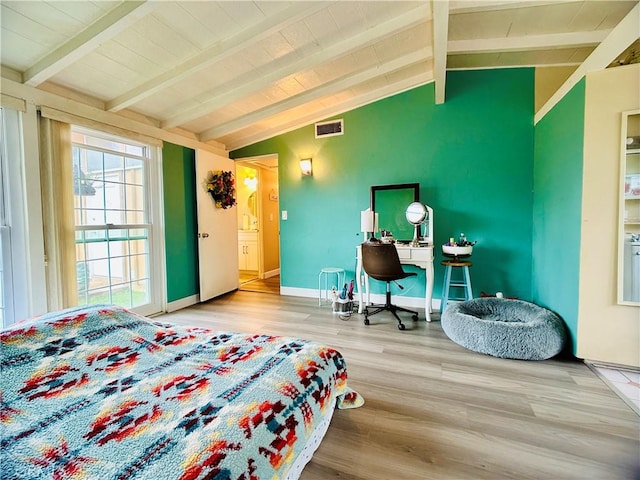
(102, 393)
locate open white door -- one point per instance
(217, 232)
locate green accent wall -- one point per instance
(473, 158)
(181, 221)
(557, 208)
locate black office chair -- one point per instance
(381, 262)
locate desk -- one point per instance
(419, 256)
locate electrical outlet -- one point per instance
(284, 214)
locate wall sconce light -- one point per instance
(305, 166)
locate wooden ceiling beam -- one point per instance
(623, 35)
(284, 66)
(440, 42)
(528, 42)
(216, 53)
(336, 109)
(42, 98)
(473, 6)
(328, 88)
(102, 30)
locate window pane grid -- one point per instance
(113, 264)
(105, 195)
(134, 154)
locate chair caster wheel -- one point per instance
(401, 326)
(366, 321)
(414, 318)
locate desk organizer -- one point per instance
(340, 305)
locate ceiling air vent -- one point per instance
(330, 129)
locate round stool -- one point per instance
(464, 283)
(326, 272)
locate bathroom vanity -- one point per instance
(247, 249)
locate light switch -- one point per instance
(284, 214)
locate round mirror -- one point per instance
(416, 213)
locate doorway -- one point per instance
(258, 223)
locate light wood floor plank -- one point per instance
(435, 410)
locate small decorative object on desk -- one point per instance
(386, 236)
(221, 186)
(458, 249)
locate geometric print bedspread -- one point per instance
(102, 393)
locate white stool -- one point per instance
(465, 283)
(326, 272)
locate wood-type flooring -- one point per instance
(435, 410)
(267, 285)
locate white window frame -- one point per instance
(6, 276)
(23, 213)
(154, 207)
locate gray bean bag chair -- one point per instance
(505, 328)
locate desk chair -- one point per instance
(381, 262)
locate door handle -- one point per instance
(205, 235)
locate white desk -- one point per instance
(419, 256)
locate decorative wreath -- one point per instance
(221, 186)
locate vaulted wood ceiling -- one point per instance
(236, 72)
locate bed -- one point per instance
(102, 393)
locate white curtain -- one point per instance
(58, 213)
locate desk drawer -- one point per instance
(404, 253)
(419, 254)
(423, 253)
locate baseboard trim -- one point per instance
(183, 303)
(272, 273)
(298, 292)
(613, 366)
(409, 302)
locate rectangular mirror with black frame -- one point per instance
(390, 203)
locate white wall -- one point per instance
(607, 332)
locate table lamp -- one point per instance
(368, 223)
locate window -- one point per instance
(113, 220)
(22, 282)
(6, 299)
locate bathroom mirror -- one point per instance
(629, 237)
(390, 203)
(252, 204)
